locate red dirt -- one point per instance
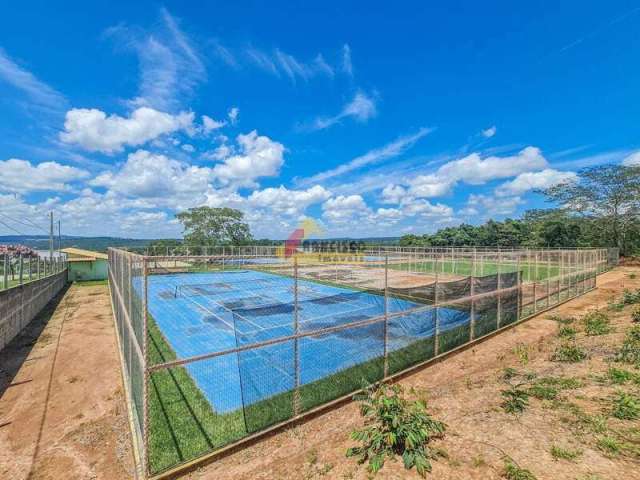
(64, 414)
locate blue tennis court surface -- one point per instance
(200, 313)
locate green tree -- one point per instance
(208, 226)
(609, 195)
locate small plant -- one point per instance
(635, 315)
(514, 472)
(629, 297)
(559, 453)
(625, 406)
(395, 426)
(569, 353)
(515, 398)
(609, 445)
(632, 276)
(596, 322)
(562, 320)
(567, 332)
(630, 350)
(522, 352)
(619, 376)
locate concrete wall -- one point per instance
(89, 270)
(19, 305)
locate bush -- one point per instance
(625, 406)
(569, 353)
(629, 297)
(596, 323)
(395, 426)
(635, 315)
(567, 332)
(515, 400)
(630, 350)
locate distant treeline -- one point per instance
(537, 228)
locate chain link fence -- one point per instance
(224, 343)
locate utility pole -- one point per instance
(50, 235)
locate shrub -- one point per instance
(395, 426)
(559, 453)
(515, 400)
(569, 353)
(596, 323)
(514, 472)
(630, 350)
(567, 333)
(635, 315)
(625, 406)
(629, 297)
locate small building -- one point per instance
(85, 264)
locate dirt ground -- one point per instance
(62, 411)
(63, 416)
(464, 392)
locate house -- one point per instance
(85, 264)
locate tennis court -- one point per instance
(200, 313)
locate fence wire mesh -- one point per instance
(219, 343)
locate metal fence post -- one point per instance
(21, 267)
(5, 274)
(386, 316)
(499, 309)
(296, 346)
(145, 370)
(436, 347)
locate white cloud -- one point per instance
(393, 194)
(533, 181)
(430, 185)
(288, 202)
(93, 130)
(188, 148)
(209, 124)
(259, 157)
(488, 206)
(157, 180)
(347, 65)
(632, 160)
(20, 78)
(342, 209)
(20, 176)
(489, 132)
(170, 65)
(219, 153)
(281, 63)
(475, 170)
(361, 108)
(391, 150)
(233, 115)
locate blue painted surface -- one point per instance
(199, 313)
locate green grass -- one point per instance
(90, 283)
(465, 268)
(560, 453)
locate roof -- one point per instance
(86, 254)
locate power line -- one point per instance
(30, 224)
(11, 228)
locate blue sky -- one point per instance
(373, 121)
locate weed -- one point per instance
(312, 457)
(596, 322)
(479, 461)
(609, 445)
(514, 472)
(559, 453)
(522, 352)
(632, 276)
(635, 315)
(630, 350)
(395, 426)
(625, 406)
(562, 320)
(543, 392)
(567, 332)
(629, 297)
(515, 400)
(569, 353)
(619, 376)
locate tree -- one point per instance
(609, 195)
(208, 226)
